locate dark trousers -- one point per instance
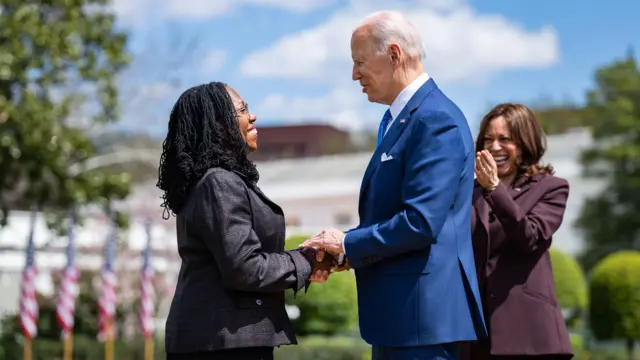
(434, 352)
(253, 353)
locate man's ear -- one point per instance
(394, 54)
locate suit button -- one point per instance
(491, 295)
(492, 217)
(258, 302)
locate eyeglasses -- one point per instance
(244, 110)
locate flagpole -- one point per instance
(65, 309)
(148, 348)
(146, 305)
(108, 344)
(28, 298)
(106, 303)
(27, 349)
(68, 346)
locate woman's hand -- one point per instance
(323, 266)
(486, 170)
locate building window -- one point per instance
(343, 219)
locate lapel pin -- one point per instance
(402, 121)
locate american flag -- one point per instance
(65, 309)
(107, 300)
(28, 301)
(146, 288)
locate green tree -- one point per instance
(611, 220)
(58, 66)
(326, 309)
(615, 298)
(571, 285)
(557, 119)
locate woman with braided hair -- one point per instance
(229, 300)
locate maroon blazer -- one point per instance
(512, 229)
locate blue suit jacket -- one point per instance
(412, 251)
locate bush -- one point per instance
(615, 298)
(325, 348)
(571, 285)
(605, 354)
(293, 242)
(326, 309)
(84, 348)
(577, 342)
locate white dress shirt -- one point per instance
(403, 98)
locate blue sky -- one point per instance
(290, 59)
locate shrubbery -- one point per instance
(571, 285)
(330, 308)
(615, 298)
(325, 348)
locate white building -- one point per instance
(315, 193)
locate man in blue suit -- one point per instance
(418, 294)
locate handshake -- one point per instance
(328, 249)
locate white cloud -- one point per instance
(299, 6)
(213, 61)
(459, 42)
(461, 45)
(135, 13)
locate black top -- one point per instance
(234, 272)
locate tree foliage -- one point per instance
(615, 297)
(557, 119)
(611, 220)
(326, 309)
(58, 67)
(571, 285)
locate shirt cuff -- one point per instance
(343, 241)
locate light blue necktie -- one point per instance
(383, 127)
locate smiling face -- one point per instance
(499, 142)
(373, 70)
(246, 120)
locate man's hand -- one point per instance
(330, 240)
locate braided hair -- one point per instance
(203, 133)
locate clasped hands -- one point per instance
(486, 170)
(327, 241)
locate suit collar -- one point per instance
(395, 131)
(520, 186)
(519, 182)
(257, 190)
(405, 95)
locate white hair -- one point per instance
(388, 27)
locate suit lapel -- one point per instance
(390, 138)
(394, 132)
(520, 187)
(266, 198)
(257, 190)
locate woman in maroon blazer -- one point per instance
(517, 207)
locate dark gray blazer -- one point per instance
(234, 272)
